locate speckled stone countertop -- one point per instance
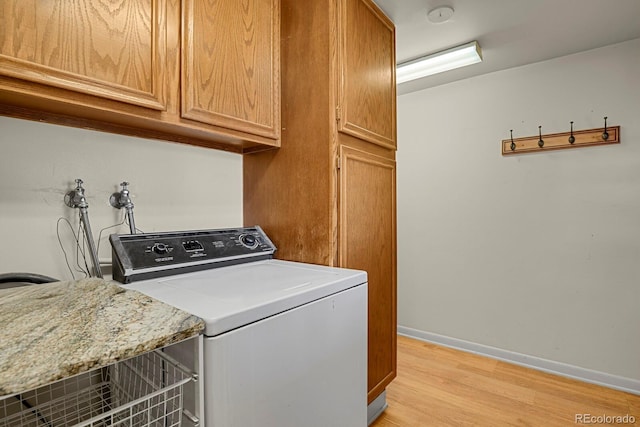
(55, 330)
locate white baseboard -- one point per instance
(587, 375)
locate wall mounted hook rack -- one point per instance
(557, 141)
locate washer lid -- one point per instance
(230, 297)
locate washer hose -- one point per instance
(26, 278)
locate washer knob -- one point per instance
(160, 248)
(249, 241)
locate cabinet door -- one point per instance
(367, 241)
(110, 50)
(366, 65)
(231, 65)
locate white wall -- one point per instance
(173, 187)
(537, 254)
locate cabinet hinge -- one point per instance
(338, 113)
(339, 162)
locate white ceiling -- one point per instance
(510, 32)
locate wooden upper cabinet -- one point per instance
(231, 66)
(113, 50)
(202, 72)
(366, 66)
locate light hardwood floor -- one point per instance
(439, 386)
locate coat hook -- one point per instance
(513, 144)
(605, 134)
(572, 138)
(540, 141)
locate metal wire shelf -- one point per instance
(145, 391)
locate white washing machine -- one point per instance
(285, 343)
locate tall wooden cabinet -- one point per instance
(202, 72)
(327, 196)
(367, 241)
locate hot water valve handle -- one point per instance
(75, 199)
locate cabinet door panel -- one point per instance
(367, 241)
(114, 50)
(367, 87)
(230, 72)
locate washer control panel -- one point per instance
(148, 255)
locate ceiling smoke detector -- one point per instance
(440, 14)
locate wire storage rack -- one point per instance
(144, 391)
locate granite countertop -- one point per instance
(52, 331)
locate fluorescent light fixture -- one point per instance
(446, 60)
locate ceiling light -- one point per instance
(446, 60)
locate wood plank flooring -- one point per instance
(439, 386)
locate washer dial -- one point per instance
(248, 241)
